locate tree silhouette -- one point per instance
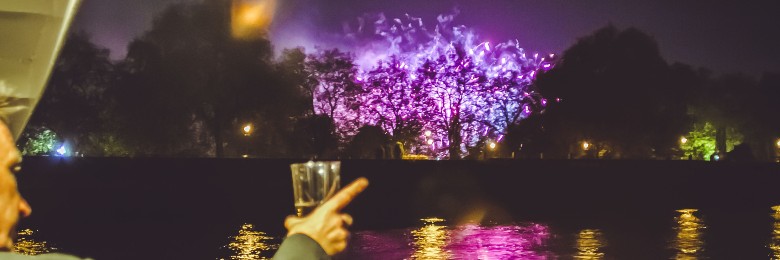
(615, 92)
(77, 104)
(191, 74)
(334, 88)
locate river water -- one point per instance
(234, 209)
(436, 238)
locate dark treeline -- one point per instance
(187, 88)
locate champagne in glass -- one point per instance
(313, 184)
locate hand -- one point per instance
(12, 205)
(326, 224)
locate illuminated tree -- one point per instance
(701, 142)
(443, 82)
(394, 101)
(334, 88)
(455, 84)
(39, 142)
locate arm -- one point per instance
(325, 227)
(300, 246)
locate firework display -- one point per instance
(446, 82)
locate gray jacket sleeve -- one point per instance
(300, 246)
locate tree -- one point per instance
(527, 138)
(725, 103)
(192, 75)
(369, 143)
(39, 142)
(442, 82)
(394, 101)
(454, 82)
(77, 104)
(614, 92)
(334, 88)
(315, 137)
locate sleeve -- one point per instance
(300, 246)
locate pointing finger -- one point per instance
(346, 195)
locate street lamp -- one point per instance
(778, 143)
(492, 146)
(683, 140)
(247, 129)
(585, 145)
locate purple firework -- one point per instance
(439, 92)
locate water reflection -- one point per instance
(688, 243)
(435, 239)
(250, 244)
(430, 240)
(27, 244)
(589, 244)
(774, 242)
(500, 242)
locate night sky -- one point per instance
(725, 36)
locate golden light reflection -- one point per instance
(430, 240)
(688, 243)
(26, 244)
(774, 242)
(251, 244)
(589, 244)
(251, 18)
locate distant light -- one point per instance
(245, 156)
(430, 141)
(428, 133)
(62, 150)
(778, 143)
(247, 129)
(492, 146)
(585, 146)
(683, 140)
(251, 19)
(716, 157)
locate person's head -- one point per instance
(12, 205)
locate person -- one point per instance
(323, 233)
(12, 204)
(320, 235)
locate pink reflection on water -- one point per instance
(434, 240)
(499, 242)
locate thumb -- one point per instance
(291, 221)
